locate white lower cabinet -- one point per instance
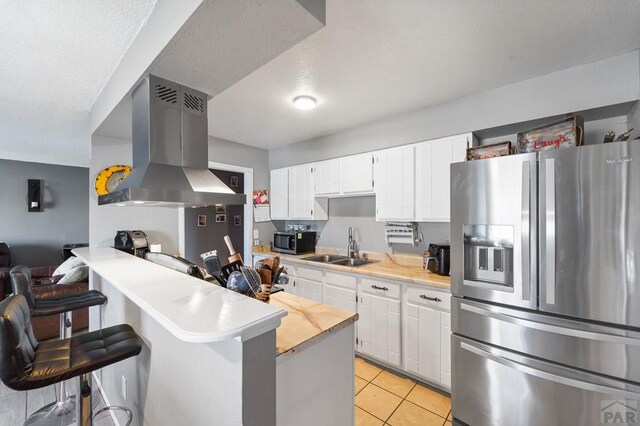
(309, 283)
(340, 291)
(427, 333)
(379, 327)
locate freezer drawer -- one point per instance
(493, 230)
(611, 351)
(590, 232)
(492, 386)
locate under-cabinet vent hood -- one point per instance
(170, 151)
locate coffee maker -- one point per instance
(437, 259)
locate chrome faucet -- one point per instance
(352, 247)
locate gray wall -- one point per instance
(228, 152)
(36, 239)
(359, 212)
(608, 82)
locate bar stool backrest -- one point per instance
(21, 283)
(17, 342)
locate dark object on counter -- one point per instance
(66, 249)
(438, 260)
(499, 149)
(609, 136)
(212, 265)
(176, 263)
(294, 242)
(564, 133)
(132, 242)
(624, 136)
(226, 270)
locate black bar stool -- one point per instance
(27, 364)
(63, 410)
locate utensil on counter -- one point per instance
(233, 255)
(212, 265)
(253, 280)
(226, 270)
(275, 265)
(238, 283)
(266, 276)
(277, 274)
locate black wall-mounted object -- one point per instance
(35, 195)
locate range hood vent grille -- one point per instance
(194, 102)
(166, 94)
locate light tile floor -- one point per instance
(385, 398)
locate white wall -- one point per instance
(160, 223)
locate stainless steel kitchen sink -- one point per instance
(353, 262)
(335, 259)
(325, 258)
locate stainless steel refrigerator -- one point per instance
(545, 273)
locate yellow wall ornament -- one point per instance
(108, 178)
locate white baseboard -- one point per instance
(104, 398)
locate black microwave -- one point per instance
(294, 242)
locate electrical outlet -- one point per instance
(124, 388)
(256, 234)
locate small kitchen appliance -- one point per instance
(437, 260)
(132, 242)
(294, 242)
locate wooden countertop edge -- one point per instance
(321, 335)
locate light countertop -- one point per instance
(394, 267)
(191, 309)
(307, 322)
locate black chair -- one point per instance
(27, 364)
(65, 405)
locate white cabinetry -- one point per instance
(279, 198)
(309, 283)
(427, 334)
(433, 188)
(327, 179)
(379, 327)
(293, 197)
(395, 183)
(356, 174)
(340, 291)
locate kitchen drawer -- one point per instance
(342, 280)
(380, 288)
(428, 297)
(309, 273)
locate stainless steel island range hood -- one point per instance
(170, 151)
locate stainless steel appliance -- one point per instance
(294, 242)
(170, 151)
(132, 242)
(546, 283)
(439, 259)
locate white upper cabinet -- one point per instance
(279, 198)
(327, 179)
(433, 187)
(356, 174)
(394, 175)
(302, 201)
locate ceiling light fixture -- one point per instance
(304, 102)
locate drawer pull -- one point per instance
(375, 287)
(433, 299)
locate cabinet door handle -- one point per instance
(433, 299)
(375, 287)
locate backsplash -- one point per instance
(359, 213)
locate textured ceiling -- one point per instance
(55, 58)
(378, 58)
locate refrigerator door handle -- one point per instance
(525, 227)
(563, 380)
(550, 225)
